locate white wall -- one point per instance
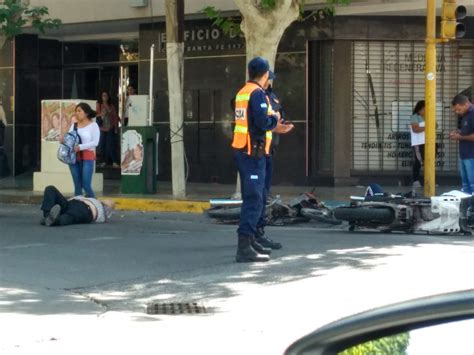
(101, 11)
(78, 11)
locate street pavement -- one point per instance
(84, 289)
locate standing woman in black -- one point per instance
(108, 120)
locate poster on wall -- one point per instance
(132, 153)
(68, 112)
(57, 116)
(51, 120)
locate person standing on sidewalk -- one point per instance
(465, 135)
(89, 133)
(417, 133)
(130, 92)
(260, 236)
(254, 122)
(109, 125)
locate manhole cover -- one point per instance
(175, 308)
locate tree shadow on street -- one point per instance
(186, 261)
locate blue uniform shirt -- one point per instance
(466, 148)
(277, 108)
(258, 120)
(275, 102)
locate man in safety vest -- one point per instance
(254, 123)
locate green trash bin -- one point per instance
(139, 157)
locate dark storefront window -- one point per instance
(209, 85)
(388, 79)
(6, 110)
(214, 70)
(77, 53)
(81, 83)
(321, 123)
(89, 68)
(290, 86)
(6, 122)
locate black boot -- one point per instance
(265, 241)
(258, 247)
(245, 252)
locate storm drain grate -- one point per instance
(175, 308)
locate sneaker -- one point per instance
(115, 166)
(102, 165)
(416, 183)
(43, 221)
(53, 216)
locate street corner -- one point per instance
(155, 205)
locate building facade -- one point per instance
(348, 84)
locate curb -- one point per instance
(24, 200)
(152, 205)
(126, 204)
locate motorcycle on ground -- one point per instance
(446, 214)
(301, 209)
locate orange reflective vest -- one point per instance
(241, 130)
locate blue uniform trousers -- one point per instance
(252, 180)
(262, 222)
(268, 173)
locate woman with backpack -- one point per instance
(89, 134)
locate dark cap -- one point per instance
(258, 66)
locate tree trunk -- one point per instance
(263, 29)
(175, 59)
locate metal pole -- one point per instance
(152, 68)
(430, 99)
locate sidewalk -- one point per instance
(19, 190)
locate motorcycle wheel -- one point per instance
(224, 213)
(365, 214)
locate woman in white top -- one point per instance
(89, 133)
(417, 130)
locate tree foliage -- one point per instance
(395, 345)
(231, 25)
(15, 15)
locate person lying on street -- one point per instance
(59, 211)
